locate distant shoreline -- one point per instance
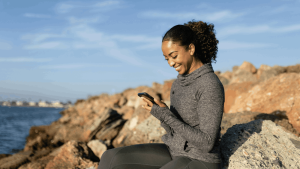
(37, 106)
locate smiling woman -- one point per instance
(193, 121)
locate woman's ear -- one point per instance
(192, 49)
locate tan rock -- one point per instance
(38, 164)
(242, 75)
(74, 154)
(293, 69)
(15, 160)
(233, 90)
(247, 66)
(97, 147)
(277, 93)
(261, 69)
(227, 75)
(157, 87)
(141, 128)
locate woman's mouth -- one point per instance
(177, 68)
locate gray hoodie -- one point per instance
(194, 118)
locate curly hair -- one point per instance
(201, 34)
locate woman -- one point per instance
(193, 121)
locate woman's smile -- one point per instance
(177, 68)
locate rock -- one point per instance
(266, 72)
(97, 147)
(40, 137)
(234, 90)
(279, 118)
(74, 154)
(242, 75)
(259, 144)
(235, 68)
(223, 80)
(217, 73)
(15, 160)
(126, 112)
(141, 128)
(293, 69)
(38, 164)
(109, 124)
(122, 101)
(261, 69)
(133, 98)
(247, 66)
(227, 75)
(277, 93)
(4, 155)
(157, 87)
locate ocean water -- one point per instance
(15, 123)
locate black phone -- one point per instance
(147, 96)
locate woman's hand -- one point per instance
(148, 104)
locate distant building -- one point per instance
(57, 104)
(31, 103)
(6, 103)
(19, 103)
(42, 104)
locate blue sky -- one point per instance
(69, 50)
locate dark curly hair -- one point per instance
(201, 34)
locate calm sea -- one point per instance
(15, 123)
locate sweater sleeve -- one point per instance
(210, 111)
(166, 127)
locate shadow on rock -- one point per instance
(259, 144)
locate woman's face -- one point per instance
(178, 57)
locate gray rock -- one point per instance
(259, 144)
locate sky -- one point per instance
(56, 50)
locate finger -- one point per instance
(158, 102)
(148, 102)
(147, 107)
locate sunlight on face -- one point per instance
(178, 57)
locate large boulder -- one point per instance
(247, 66)
(141, 128)
(259, 144)
(278, 93)
(74, 154)
(98, 147)
(279, 118)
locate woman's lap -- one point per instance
(147, 156)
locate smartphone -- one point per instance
(147, 96)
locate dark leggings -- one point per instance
(149, 156)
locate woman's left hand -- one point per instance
(148, 104)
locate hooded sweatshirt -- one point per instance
(193, 121)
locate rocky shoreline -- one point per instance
(260, 126)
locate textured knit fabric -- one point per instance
(194, 118)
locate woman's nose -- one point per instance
(171, 63)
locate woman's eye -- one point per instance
(175, 57)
